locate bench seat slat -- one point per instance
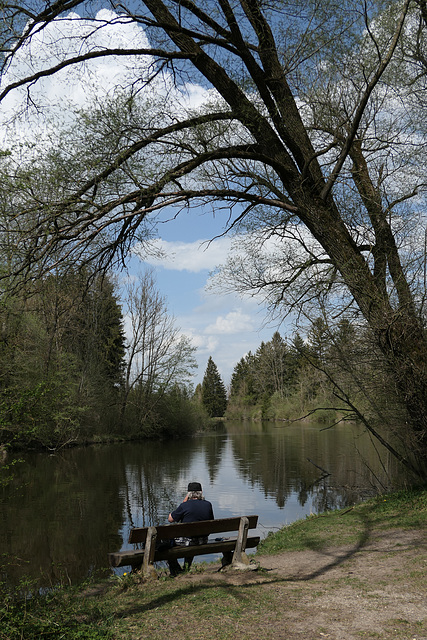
(132, 557)
(202, 549)
(187, 529)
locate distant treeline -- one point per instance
(330, 374)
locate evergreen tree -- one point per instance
(319, 339)
(214, 396)
(242, 382)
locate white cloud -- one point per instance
(189, 256)
(205, 344)
(233, 322)
(54, 99)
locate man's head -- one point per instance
(194, 486)
(194, 491)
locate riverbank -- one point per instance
(345, 575)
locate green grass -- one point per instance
(186, 611)
(403, 509)
(62, 614)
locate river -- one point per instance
(63, 513)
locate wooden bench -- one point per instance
(233, 549)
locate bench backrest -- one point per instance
(189, 529)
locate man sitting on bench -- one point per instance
(194, 508)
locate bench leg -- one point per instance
(148, 570)
(239, 555)
(227, 558)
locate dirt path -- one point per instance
(378, 590)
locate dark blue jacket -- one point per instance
(193, 511)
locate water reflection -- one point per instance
(62, 514)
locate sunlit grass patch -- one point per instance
(404, 510)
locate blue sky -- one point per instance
(225, 327)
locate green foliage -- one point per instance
(242, 380)
(335, 372)
(269, 372)
(6, 467)
(61, 359)
(59, 614)
(166, 414)
(214, 395)
(46, 414)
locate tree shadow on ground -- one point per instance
(233, 581)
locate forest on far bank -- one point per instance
(328, 374)
(71, 375)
